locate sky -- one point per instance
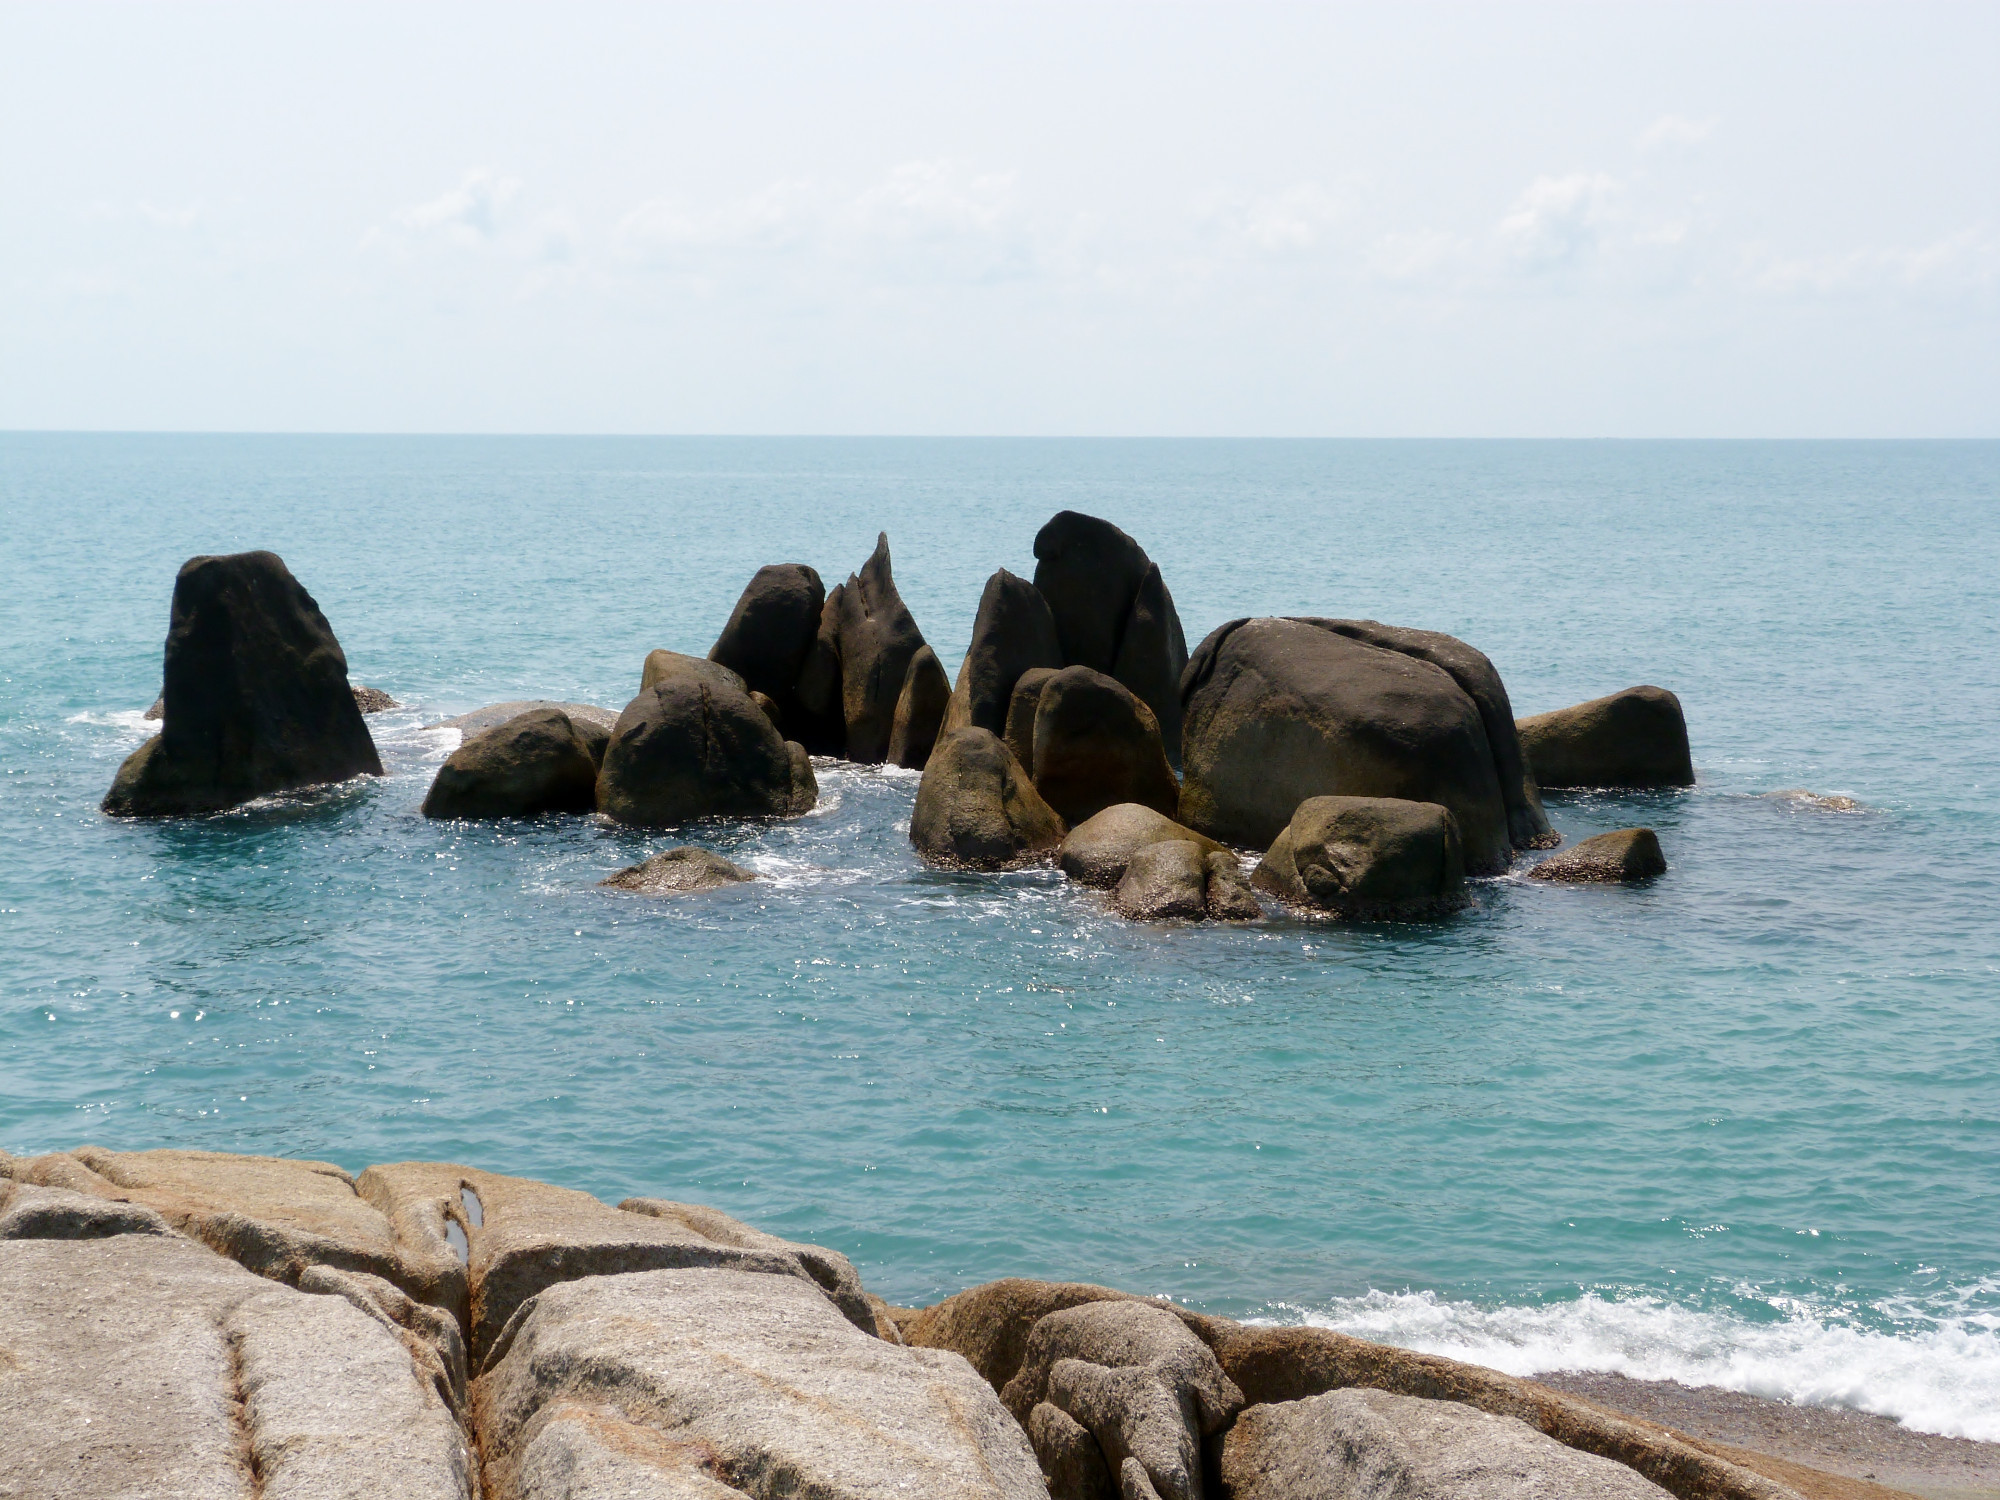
(1494, 220)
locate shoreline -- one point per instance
(1867, 1456)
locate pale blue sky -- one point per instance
(1493, 220)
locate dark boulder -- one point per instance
(1021, 707)
(1373, 858)
(771, 631)
(1113, 613)
(256, 700)
(534, 763)
(771, 710)
(920, 711)
(860, 659)
(1012, 633)
(1099, 848)
(976, 808)
(373, 700)
(1179, 879)
(1626, 855)
(1637, 738)
(693, 745)
(677, 872)
(1096, 745)
(591, 723)
(1282, 710)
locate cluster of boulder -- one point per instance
(193, 1323)
(1374, 767)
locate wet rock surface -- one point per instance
(1177, 879)
(1372, 858)
(1097, 850)
(678, 872)
(1625, 856)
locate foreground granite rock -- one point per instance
(256, 699)
(1369, 1443)
(976, 809)
(1096, 745)
(1012, 633)
(693, 745)
(1098, 850)
(537, 762)
(1635, 738)
(142, 1364)
(1371, 858)
(679, 872)
(1623, 856)
(769, 635)
(1279, 710)
(731, 1378)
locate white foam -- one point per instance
(1941, 1375)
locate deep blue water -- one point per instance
(1740, 1126)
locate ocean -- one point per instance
(1738, 1127)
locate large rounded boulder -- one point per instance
(976, 808)
(537, 762)
(1637, 738)
(1098, 850)
(771, 631)
(1096, 745)
(1374, 858)
(1279, 710)
(1113, 613)
(694, 745)
(256, 699)
(1012, 633)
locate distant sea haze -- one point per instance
(1736, 1127)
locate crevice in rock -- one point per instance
(239, 1412)
(475, 1211)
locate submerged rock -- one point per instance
(1012, 633)
(256, 701)
(1799, 797)
(1097, 745)
(770, 633)
(976, 809)
(1635, 738)
(1625, 855)
(677, 872)
(1372, 858)
(1098, 849)
(536, 762)
(1370, 1442)
(920, 711)
(693, 745)
(1279, 710)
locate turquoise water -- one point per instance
(1742, 1126)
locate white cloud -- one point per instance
(1676, 130)
(471, 211)
(1558, 220)
(1967, 262)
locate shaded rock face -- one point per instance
(1096, 745)
(1375, 858)
(859, 662)
(256, 700)
(693, 745)
(144, 1364)
(920, 711)
(770, 633)
(1022, 706)
(1113, 613)
(1369, 1443)
(1178, 879)
(1097, 850)
(369, 700)
(534, 763)
(1282, 710)
(677, 872)
(1012, 633)
(976, 809)
(1637, 738)
(1625, 855)
(727, 1378)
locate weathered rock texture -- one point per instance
(1374, 858)
(1096, 745)
(693, 745)
(920, 711)
(860, 659)
(1365, 1443)
(256, 700)
(536, 762)
(1637, 738)
(740, 1379)
(1022, 706)
(1179, 879)
(1113, 613)
(1279, 710)
(145, 1364)
(1012, 633)
(1097, 850)
(769, 636)
(976, 808)
(678, 872)
(1625, 855)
